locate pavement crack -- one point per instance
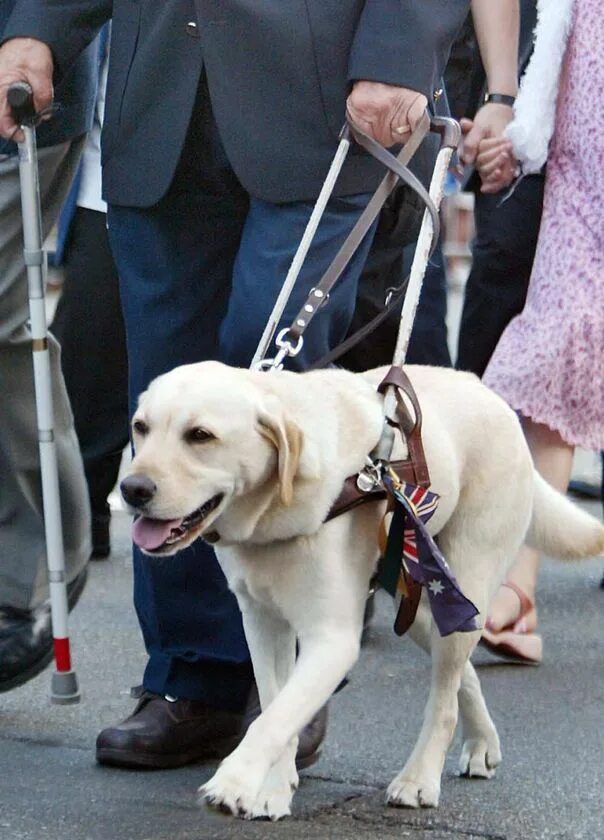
(359, 809)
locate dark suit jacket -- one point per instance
(278, 74)
(76, 95)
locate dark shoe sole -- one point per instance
(131, 760)
(308, 760)
(32, 671)
(74, 590)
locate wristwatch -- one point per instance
(499, 99)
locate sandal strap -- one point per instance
(526, 604)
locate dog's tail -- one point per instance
(560, 528)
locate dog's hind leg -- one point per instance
(418, 784)
(481, 752)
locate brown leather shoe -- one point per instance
(311, 737)
(163, 732)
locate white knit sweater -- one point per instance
(535, 109)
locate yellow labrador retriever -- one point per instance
(253, 462)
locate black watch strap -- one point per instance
(499, 99)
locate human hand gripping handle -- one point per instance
(388, 113)
(24, 60)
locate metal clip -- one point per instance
(287, 348)
(369, 477)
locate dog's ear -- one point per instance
(287, 438)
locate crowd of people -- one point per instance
(217, 133)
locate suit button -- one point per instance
(192, 29)
(437, 94)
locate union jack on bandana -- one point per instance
(424, 502)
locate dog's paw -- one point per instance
(274, 800)
(479, 757)
(231, 791)
(407, 792)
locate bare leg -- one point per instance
(553, 459)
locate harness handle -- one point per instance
(397, 170)
(20, 99)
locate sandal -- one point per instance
(515, 642)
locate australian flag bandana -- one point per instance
(409, 543)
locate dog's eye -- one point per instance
(199, 435)
(140, 428)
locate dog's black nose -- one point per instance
(137, 490)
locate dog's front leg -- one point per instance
(260, 783)
(243, 782)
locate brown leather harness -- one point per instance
(412, 469)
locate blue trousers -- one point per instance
(199, 274)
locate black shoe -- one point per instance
(101, 542)
(164, 732)
(26, 645)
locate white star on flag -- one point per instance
(435, 587)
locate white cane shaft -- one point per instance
(32, 237)
(418, 270)
(420, 259)
(303, 248)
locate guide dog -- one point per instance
(253, 462)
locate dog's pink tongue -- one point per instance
(151, 533)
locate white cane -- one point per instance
(64, 684)
(451, 138)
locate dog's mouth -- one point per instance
(161, 535)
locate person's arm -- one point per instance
(497, 26)
(398, 53)
(43, 38)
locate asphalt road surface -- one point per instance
(550, 720)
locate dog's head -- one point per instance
(208, 438)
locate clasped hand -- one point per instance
(486, 146)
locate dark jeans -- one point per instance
(428, 341)
(89, 326)
(503, 253)
(199, 274)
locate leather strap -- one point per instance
(407, 609)
(410, 427)
(351, 497)
(398, 171)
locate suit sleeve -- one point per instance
(67, 26)
(405, 42)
